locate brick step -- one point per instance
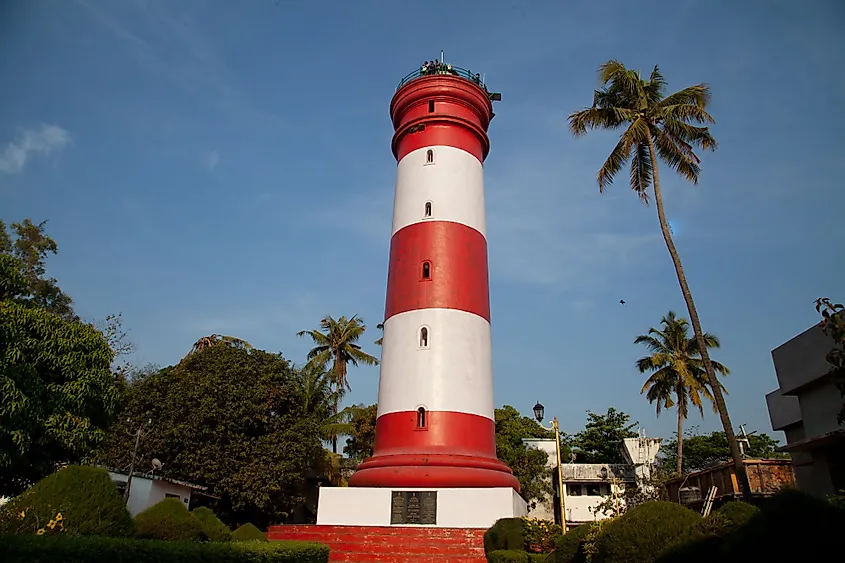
(404, 531)
(407, 558)
(385, 539)
(389, 544)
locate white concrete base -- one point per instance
(456, 508)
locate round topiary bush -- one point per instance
(76, 501)
(568, 546)
(212, 527)
(248, 532)
(640, 534)
(168, 520)
(704, 541)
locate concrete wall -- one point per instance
(801, 360)
(456, 508)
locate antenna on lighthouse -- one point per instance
(441, 56)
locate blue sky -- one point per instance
(208, 167)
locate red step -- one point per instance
(394, 544)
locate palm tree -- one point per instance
(337, 345)
(677, 372)
(379, 342)
(665, 127)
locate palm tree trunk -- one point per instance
(718, 398)
(681, 408)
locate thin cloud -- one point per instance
(44, 140)
(212, 159)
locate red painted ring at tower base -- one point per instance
(434, 471)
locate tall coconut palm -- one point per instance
(677, 373)
(662, 127)
(337, 345)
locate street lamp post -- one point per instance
(138, 433)
(539, 411)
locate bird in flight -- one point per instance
(622, 301)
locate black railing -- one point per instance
(442, 69)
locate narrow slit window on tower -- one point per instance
(429, 156)
(431, 106)
(428, 209)
(424, 337)
(421, 417)
(426, 270)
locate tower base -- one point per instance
(419, 507)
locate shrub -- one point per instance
(540, 534)
(248, 532)
(568, 546)
(703, 543)
(47, 549)
(77, 501)
(643, 532)
(538, 557)
(505, 534)
(508, 556)
(212, 527)
(789, 514)
(168, 520)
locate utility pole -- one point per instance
(134, 454)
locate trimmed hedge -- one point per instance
(568, 546)
(643, 532)
(505, 535)
(168, 519)
(248, 532)
(57, 549)
(703, 543)
(85, 497)
(212, 527)
(508, 556)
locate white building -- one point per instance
(587, 485)
(148, 489)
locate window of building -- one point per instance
(426, 270)
(429, 156)
(421, 417)
(424, 337)
(573, 490)
(598, 489)
(427, 209)
(431, 106)
(171, 495)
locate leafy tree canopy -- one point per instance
(528, 464)
(30, 246)
(362, 437)
(230, 418)
(704, 450)
(601, 438)
(57, 392)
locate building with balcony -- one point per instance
(587, 485)
(805, 407)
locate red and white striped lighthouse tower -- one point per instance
(435, 424)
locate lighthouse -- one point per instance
(435, 449)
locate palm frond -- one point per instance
(655, 86)
(690, 134)
(641, 173)
(620, 78)
(677, 156)
(698, 95)
(595, 118)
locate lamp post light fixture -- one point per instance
(147, 422)
(539, 412)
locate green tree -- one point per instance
(600, 441)
(666, 128)
(833, 325)
(705, 450)
(528, 464)
(30, 246)
(58, 393)
(677, 376)
(337, 346)
(362, 437)
(228, 417)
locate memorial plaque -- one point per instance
(413, 507)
